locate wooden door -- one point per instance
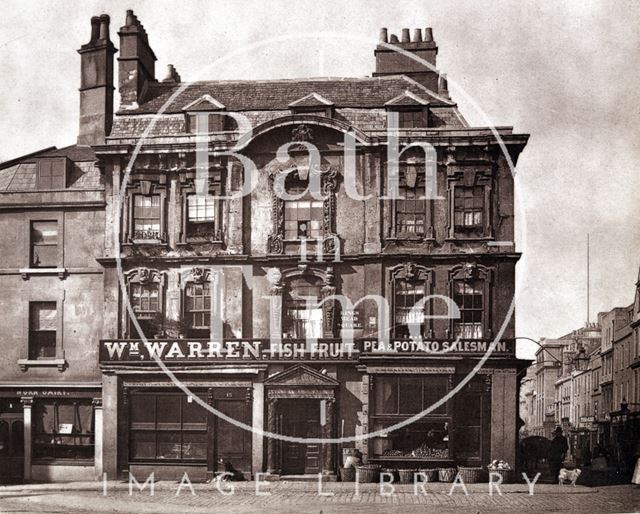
(301, 418)
(11, 446)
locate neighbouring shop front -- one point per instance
(50, 432)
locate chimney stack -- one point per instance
(391, 62)
(96, 84)
(383, 35)
(172, 75)
(136, 64)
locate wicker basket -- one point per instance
(347, 474)
(447, 474)
(430, 475)
(368, 473)
(508, 475)
(406, 475)
(471, 475)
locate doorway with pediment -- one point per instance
(301, 404)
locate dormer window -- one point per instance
(53, 173)
(204, 116)
(407, 111)
(313, 103)
(412, 118)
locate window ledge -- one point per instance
(410, 239)
(41, 363)
(462, 239)
(28, 272)
(63, 462)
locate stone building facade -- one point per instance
(236, 291)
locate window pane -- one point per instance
(435, 388)
(193, 415)
(45, 232)
(143, 445)
(169, 445)
(43, 316)
(194, 445)
(143, 411)
(201, 207)
(168, 410)
(386, 395)
(410, 395)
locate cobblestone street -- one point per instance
(293, 497)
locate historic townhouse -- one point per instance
(236, 293)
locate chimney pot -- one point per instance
(428, 35)
(95, 29)
(417, 35)
(383, 35)
(104, 27)
(394, 39)
(131, 19)
(405, 36)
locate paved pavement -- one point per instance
(304, 497)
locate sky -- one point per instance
(567, 73)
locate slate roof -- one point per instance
(20, 174)
(256, 95)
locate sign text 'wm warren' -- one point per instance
(187, 350)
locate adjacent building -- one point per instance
(595, 372)
(138, 252)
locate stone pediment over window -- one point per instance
(204, 103)
(301, 376)
(407, 99)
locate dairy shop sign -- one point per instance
(262, 350)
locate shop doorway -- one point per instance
(300, 418)
(11, 446)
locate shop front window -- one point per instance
(420, 440)
(167, 428)
(63, 430)
(399, 397)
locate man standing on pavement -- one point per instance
(557, 452)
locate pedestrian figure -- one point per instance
(557, 452)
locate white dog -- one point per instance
(566, 475)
